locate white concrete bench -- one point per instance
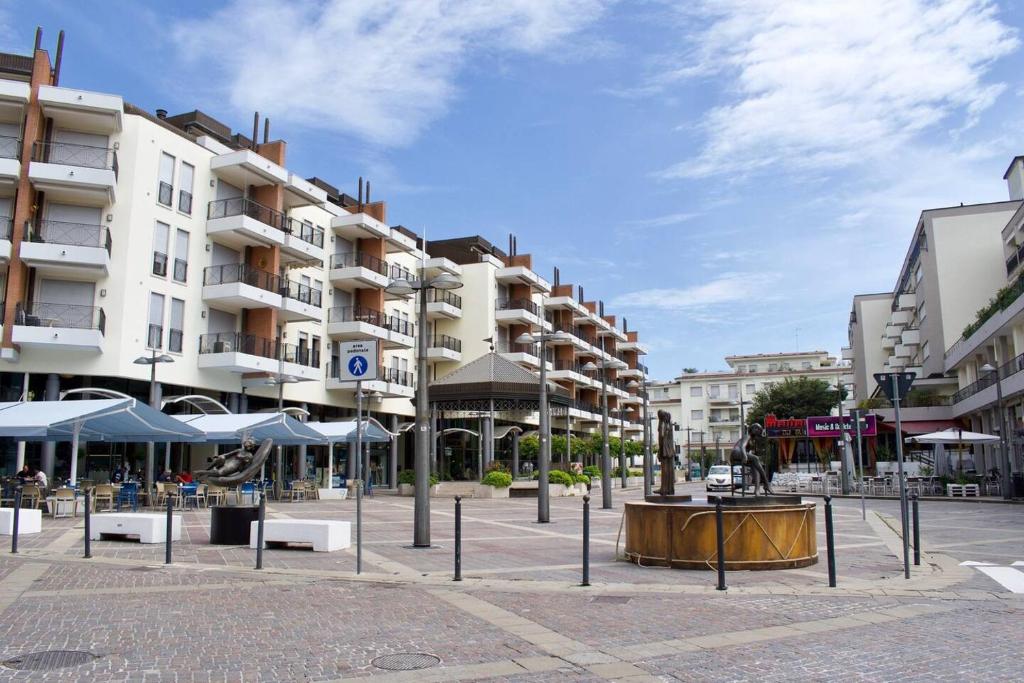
(29, 521)
(332, 494)
(325, 535)
(148, 526)
(962, 490)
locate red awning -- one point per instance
(915, 427)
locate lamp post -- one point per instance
(544, 456)
(606, 459)
(1004, 434)
(633, 384)
(279, 381)
(421, 461)
(150, 360)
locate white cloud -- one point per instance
(377, 69)
(821, 85)
(728, 288)
(664, 221)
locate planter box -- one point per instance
(557, 490)
(406, 489)
(484, 491)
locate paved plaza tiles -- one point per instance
(520, 614)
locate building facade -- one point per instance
(129, 234)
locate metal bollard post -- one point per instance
(917, 530)
(88, 540)
(261, 515)
(14, 522)
(586, 541)
(720, 539)
(170, 529)
(830, 543)
(458, 539)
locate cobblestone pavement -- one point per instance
(520, 614)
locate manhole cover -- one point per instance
(51, 659)
(406, 661)
(611, 599)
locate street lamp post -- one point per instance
(544, 456)
(279, 381)
(623, 470)
(151, 361)
(421, 462)
(1004, 434)
(606, 459)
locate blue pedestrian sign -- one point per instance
(358, 361)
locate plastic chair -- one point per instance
(63, 498)
(128, 495)
(30, 495)
(296, 491)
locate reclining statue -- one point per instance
(743, 454)
(238, 466)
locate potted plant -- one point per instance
(495, 484)
(407, 483)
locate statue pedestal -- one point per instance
(748, 501)
(229, 524)
(658, 498)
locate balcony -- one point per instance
(358, 271)
(900, 318)
(245, 167)
(303, 242)
(355, 226)
(524, 354)
(89, 112)
(565, 302)
(907, 302)
(632, 373)
(14, 96)
(357, 322)
(632, 346)
(235, 286)
(238, 352)
(301, 192)
(519, 311)
(401, 333)
(239, 222)
(521, 275)
(10, 163)
(724, 419)
(393, 383)
(723, 399)
(569, 371)
(68, 250)
(911, 336)
(75, 174)
(63, 327)
(299, 361)
(443, 304)
(399, 241)
(397, 272)
(300, 302)
(437, 265)
(847, 353)
(444, 348)
(6, 228)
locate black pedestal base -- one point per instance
(229, 524)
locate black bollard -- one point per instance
(830, 543)
(14, 522)
(88, 541)
(586, 541)
(458, 538)
(917, 530)
(170, 530)
(261, 515)
(720, 539)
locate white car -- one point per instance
(719, 479)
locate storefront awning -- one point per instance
(234, 427)
(345, 431)
(915, 427)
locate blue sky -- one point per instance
(724, 173)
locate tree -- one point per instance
(798, 398)
(689, 371)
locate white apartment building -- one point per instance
(126, 234)
(709, 407)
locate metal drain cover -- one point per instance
(406, 661)
(50, 659)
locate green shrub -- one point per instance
(581, 478)
(497, 479)
(497, 467)
(592, 471)
(560, 477)
(631, 472)
(409, 477)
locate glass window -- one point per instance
(176, 333)
(165, 189)
(696, 415)
(161, 234)
(751, 368)
(918, 273)
(185, 193)
(155, 334)
(922, 312)
(181, 256)
(925, 351)
(750, 389)
(713, 391)
(695, 392)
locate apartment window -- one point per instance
(188, 172)
(181, 256)
(713, 391)
(695, 392)
(750, 389)
(773, 367)
(160, 236)
(921, 312)
(165, 189)
(734, 391)
(925, 352)
(918, 273)
(806, 365)
(751, 368)
(741, 368)
(304, 348)
(696, 415)
(155, 334)
(176, 333)
(314, 349)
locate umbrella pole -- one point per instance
(74, 452)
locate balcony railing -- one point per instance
(240, 206)
(180, 270)
(184, 201)
(400, 273)
(237, 342)
(241, 273)
(165, 193)
(301, 355)
(569, 366)
(174, 340)
(70, 154)
(155, 337)
(358, 314)
(73, 316)
(587, 407)
(300, 292)
(1000, 302)
(358, 259)
(444, 296)
(1005, 370)
(311, 234)
(443, 341)
(72, 234)
(159, 264)
(518, 304)
(396, 324)
(10, 148)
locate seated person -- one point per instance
(25, 474)
(118, 475)
(184, 478)
(166, 477)
(40, 479)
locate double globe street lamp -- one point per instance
(606, 458)
(421, 462)
(152, 360)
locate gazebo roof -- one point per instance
(493, 376)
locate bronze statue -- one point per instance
(666, 454)
(238, 466)
(743, 454)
